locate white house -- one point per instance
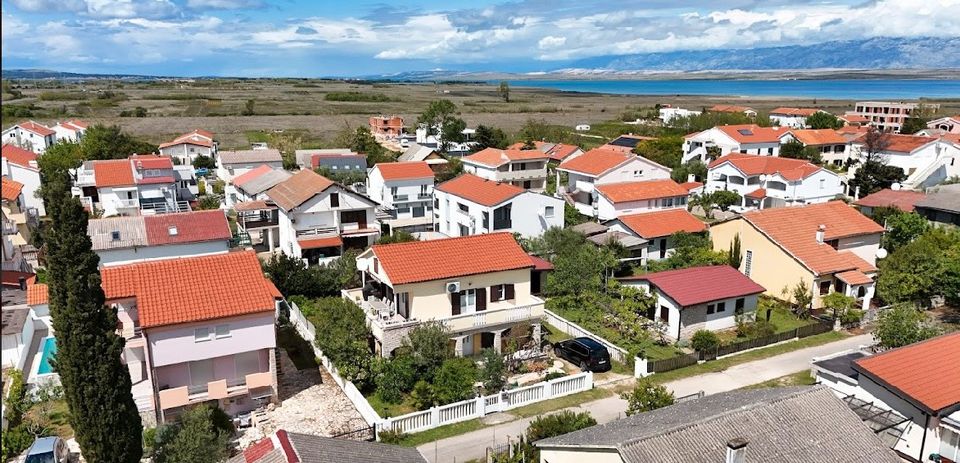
(21, 166)
(19, 325)
(733, 109)
(404, 191)
(656, 229)
(233, 163)
(523, 168)
(470, 205)
(698, 298)
(765, 181)
(253, 184)
(910, 395)
(949, 124)
(124, 240)
(189, 146)
(30, 135)
(17, 225)
(792, 117)
(71, 131)
(831, 145)
(138, 184)
(318, 218)
(926, 161)
(744, 138)
(598, 167)
(668, 114)
(617, 199)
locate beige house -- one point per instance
(829, 246)
(478, 286)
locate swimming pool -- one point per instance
(49, 350)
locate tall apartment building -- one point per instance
(886, 115)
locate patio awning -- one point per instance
(854, 277)
(759, 193)
(321, 242)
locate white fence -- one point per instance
(450, 413)
(483, 405)
(616, 353)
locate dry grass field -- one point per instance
(314, 108)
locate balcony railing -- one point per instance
(127, 203)
(470, 321)
(219, 389)
(522, 174)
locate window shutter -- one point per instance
(455, 303)
(481, 299)
(494, 293)
(510, 293)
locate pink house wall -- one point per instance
(176, 344)
(176, 375)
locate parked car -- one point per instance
(585, 352)
(48, 450)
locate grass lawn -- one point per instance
(386, 410)
(560, 403)
(651, 350)
(800, 378)
(55, 414)
(785, 320)
(443, 432)
(727, 362)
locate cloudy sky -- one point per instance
(357, 37)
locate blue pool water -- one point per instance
(49, 349)
(829, 88)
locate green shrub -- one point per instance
(15, 439)
(851, 316)
(422, 395)
(494, 370)
(705, 340)
(647, 396)
(557, 424)
(396, 377)
(758, 328)
(390, 436)
(554, 375)
(358, 96)
(454, 380)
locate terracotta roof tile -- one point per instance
(556, 151)
(724, 108)
(640, 191)
(404, 170)
(36, 128)
(906, 143)
(926, 373)
(900, 199)
(317, 243)
(752, 133)
(691, 185)
(662, 223)
(151, 161)
(297, 189)
(37, 294)
(187, 227)
(751, 164)
(795, 230)
(113, 173)
(192, 289)
(595, 162)
(493, 157)
(19, 156)
(817, 137)
(197, 137)
(699, 285)
(854, 277)
(541, 264)
(251, 174)
(443, 259)
(480, 190)
(759, 193)
(803, 112)
(11, 189)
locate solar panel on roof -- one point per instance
(625, 141)
(745, 131)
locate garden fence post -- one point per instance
(481, 402)
(548, 389)
(435, 416)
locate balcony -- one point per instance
(213, 390)
(127, 204)
(522, 174)
(472, 321)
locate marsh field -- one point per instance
(318, 109)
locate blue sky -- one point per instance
(301, 38)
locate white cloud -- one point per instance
(550, 42)
(223, 4)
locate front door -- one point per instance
(468, 345)
(663, 248)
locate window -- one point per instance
(468, 301)
(824, 287)
(334, 199)
(950, 444)
(247, 363)
(548, 211)
(393, 191)
(637, 173)
(464, 231)
(502, 218)
(463, 207)
(711, 308)
(423, 190)
(823, 183)
(498, 293)
(748, 263)
(664, 314)
(485, 220)
(738, 309)
(201, 334)
(721, 307)
(222, 331)
(201, 372)
(403, 210)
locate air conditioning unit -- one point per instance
(453, 287)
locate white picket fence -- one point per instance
(618, 354)
(445, 414)
(484, 405)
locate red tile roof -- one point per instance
(691, 185)
(540, 263)
(724, 108)
(113, 173)
(699, 285)
(36, 128)
(191, 227)
(854, 118)
(906, 143)
(19, 156)
(11, 189)
(662, 223)
(493, 157)
(253, 206)
(751, 164)
(197, 137)
(640, 191)
(854, 277)
(556, 151)
(251, 174)
(404, 170)
(759, 193)
(752, 133)
(37, 294)
(818, 137)
(803, 112)
(900, 199)
(480, 190)
(595, 162)
(448, 258)
(317, 243)
(926, 374)
(151, 161)
(192, 289)
(299, 188)
(795, 230)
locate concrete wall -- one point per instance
(110, 257)
(608, 210)
(176, 344)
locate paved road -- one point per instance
(473, 445)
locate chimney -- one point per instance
(691, 178)
(737, 450)
(23, 283)
(821, 230)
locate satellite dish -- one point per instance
(881, 253)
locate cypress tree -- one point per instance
(96, 384)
